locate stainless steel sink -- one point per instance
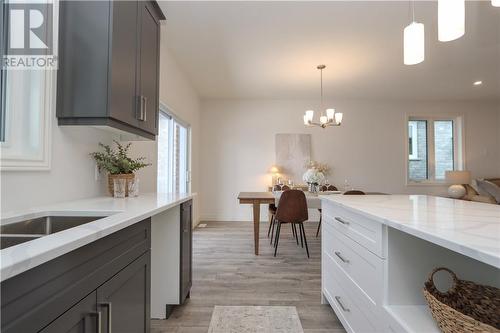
(24, 231)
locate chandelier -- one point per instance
(327, 118)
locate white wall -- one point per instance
(71, 175)
(177, 93)
(368, 149)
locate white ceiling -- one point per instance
(271, 49)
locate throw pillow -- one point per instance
(490, 189)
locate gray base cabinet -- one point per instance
(109, 53)
(101, 287)
(81, 318)
(186, 259)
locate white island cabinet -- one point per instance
(377, 252)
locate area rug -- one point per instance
(249, 319)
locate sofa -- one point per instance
(485, 190)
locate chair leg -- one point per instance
(319, 226)
(273, 226)
(293, 230)
(301, 237)
(296, 236)
(278, 229)
(305, 239)
(270, 224)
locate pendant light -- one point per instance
(414, 41)
(495, 3)
(327, 119)
(451, 19)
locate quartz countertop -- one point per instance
(469, 228)
(120, 213)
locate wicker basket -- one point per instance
(466, 307)
(111, 178)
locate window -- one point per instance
(173, 154)
(27, 97)
(434, 146)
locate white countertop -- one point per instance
(120, 213)
(468, 228)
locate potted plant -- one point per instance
(118, 164)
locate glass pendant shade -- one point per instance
(414, 43)
(451, 19)
(338, 118)
(330, 113)
(309, 115)
(495, 3)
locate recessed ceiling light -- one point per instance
(478, 83)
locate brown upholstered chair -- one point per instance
(292, 209)
(272, 211)
(354, 192)
(324, 188)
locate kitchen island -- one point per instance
(93, 262)
(377, 252)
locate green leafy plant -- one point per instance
(117, 161)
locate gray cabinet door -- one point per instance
(186, 250)
(149, 67)
(123, 100)
(124, 300)
(81, 318)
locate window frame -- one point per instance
(458, 146)
(414, 142)
(166, 111)
(10, 159)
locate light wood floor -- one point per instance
(226, 272)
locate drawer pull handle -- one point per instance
(338, 254)
(337, 298)
(341, 220)
(98, 317)
(108, 306)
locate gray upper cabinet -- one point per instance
(109, 65)
(149, 67)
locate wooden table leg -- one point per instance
(256, 224)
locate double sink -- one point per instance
(23, 231)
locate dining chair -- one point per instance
(327, 188)
(272, 212)
(354, 192)
(292, 209)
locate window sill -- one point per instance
(426, 183)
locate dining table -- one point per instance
(261, 198)
(256, 199)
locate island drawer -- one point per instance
(364, 231)
(354, 315)
(361, 266)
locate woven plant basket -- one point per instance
(465, 307)
(111, 178)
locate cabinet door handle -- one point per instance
(107, 305)
(145, 108)
(338, 254)
(337, 298)
(98, 321)
(341, 220)
(140, 113)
